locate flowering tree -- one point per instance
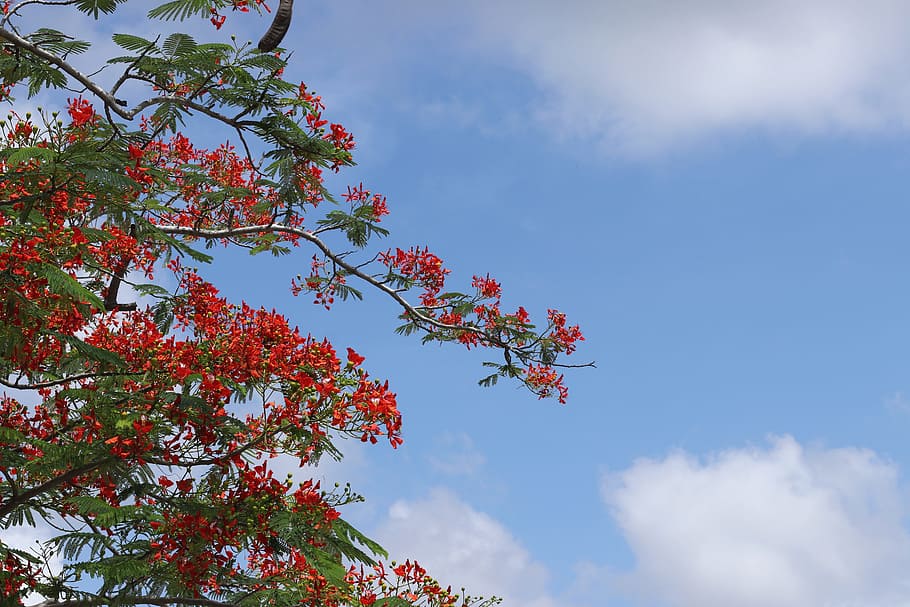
(139, 420)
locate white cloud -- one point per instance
(897, 402)
(457, 455)
(462, 546)
(648, 74)
(640, 76)
(777, 527)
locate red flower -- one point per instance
(487, 287)
(355, 194)
(354, 358)
(522, 315)
(81, 111)
(139, 175)
(380, 207)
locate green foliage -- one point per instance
(143, 442)
(94, 7)
(180, 10)
(66, 285)
(133, 44)
(57, 42)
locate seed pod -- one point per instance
(280, 24)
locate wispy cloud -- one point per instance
(643, 77)
(457, 455)
(639, 77)
(898, 402)
(650, 74)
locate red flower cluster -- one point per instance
(565, 336)
(420, 266)
(174, 393)
(243, 6)
(407, 582)
(82, 112)
(189, 389)
(217, 19)
(545, 381)
(377, 202)
(16, 576)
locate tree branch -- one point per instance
(412, 311)
(63, 380)
(210, 461)
(135, 600)
(109, 100)
(209, 234)
(55, 482)
(113, 289)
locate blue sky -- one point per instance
(716, 193)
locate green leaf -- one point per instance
(332, 570)
(163, 315)
(347, 532)
(151, 290)
(464, 307)
(87, 504)
(407, 329)
(132, 43)
(89, 351)
(57, 42)
(547, 355)
(178, 45)
(63, 283)
(40, 76)
(489, 380)
(22, 155)
(179, 10)
(10, 436)
(168, 114)
(345, 291)
(94, 7)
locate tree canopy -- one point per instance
(140, 406)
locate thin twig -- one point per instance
(63, 380)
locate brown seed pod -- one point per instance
(280, 24)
